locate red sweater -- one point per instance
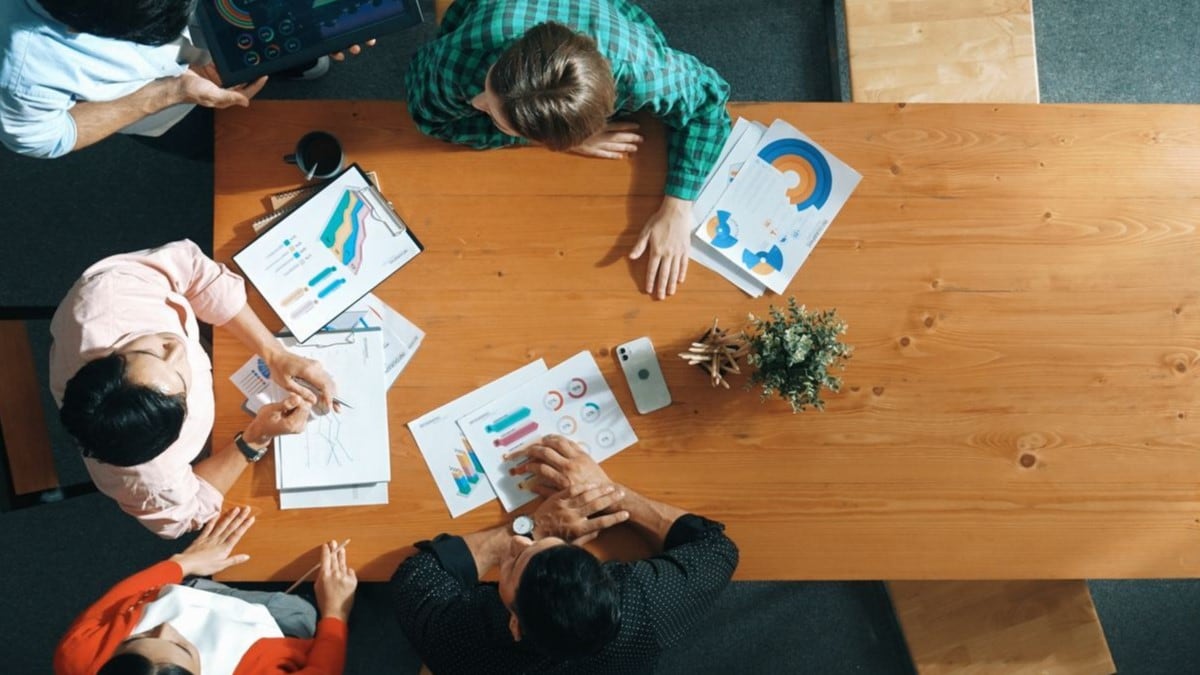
(91, 640)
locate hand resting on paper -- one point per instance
(568, 514)
(558, 463)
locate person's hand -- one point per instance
(209, 552)
(354, 50)
(567, 514)
(289, 416)
(558, 463)
(287, 368)
(208, 71)
(616, 140)
(668, 237)
(194, 87)
(335, 583)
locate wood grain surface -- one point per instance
(942, 51)
(1001, 627)
(1020, 287)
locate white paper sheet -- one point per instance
(778, 206)
(326, 497)
(349, 447)
(401, 337)
(447, 452)
(738, 148)
(572, 399)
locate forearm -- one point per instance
(222, 469)
(250, 331)
(652, 517)
(487, 547)
(97, 120)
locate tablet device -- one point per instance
(252, 38)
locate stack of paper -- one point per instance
(464, 441)
(342, 458)
(767, 202)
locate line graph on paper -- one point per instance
(348, 446)
(323, 440)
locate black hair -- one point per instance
(148, 22)
(136, 664)
(567, 603)
(115, 420)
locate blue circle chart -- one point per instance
(808, 163)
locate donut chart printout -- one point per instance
(456, 468)
(777, 206)
(328, 253)
(572, 399)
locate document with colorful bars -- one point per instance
(332, 250)
(778, 206)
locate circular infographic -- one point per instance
(567, 425)
(720, 230)
(287, 26)
(245, 41)
(577, 387)
(266, 33)
(291, 44)
(252, 58)
(606, 438)
(763, 262)
(815, 179)
(272, 51)
(591, 412)
(553, 400)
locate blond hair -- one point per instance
(554, 86)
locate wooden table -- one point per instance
(1020, 284)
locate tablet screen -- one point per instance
(252, 37)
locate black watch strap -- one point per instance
(251, 454)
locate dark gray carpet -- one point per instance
(122, 195)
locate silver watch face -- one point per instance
(523, 525)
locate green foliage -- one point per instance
(793, 353)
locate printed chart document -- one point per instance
(776, 208)
(572, 399)
(456, 469)
(328, 253)
(349, 447)
(401, 338)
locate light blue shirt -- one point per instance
(45, 69)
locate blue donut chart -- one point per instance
(803, 158)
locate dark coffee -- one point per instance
(322, 151)
(318, 155)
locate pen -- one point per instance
(313, 569)
(314, 389)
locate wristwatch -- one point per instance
(251, 454)
(523, 526)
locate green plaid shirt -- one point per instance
(688, 96)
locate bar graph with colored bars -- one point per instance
(468, 471)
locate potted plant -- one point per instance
(794, 353)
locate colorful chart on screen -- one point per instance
(249, 38)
